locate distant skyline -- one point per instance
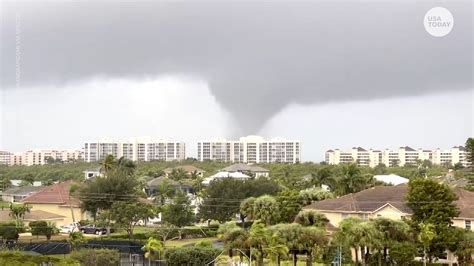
(331, 74)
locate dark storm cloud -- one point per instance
(257, 57)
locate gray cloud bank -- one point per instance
(257, 57)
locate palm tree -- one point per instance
(394, 231)
(371, 238)
(288, 234)
(259, 239)
(264, 209)
(126, 166)
(234, 237)
(178, 174)
(311, 218)
(323, 177)
(18, 211)
(349, 235)
(107, 164)
(276, 250)
(152, 249)
(310, 240)
(247, 210)
(164, 190)
(351, 181)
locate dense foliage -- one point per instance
(8, 258)
(433, 208)
(94, 257)
(222, 197)
(191, 256)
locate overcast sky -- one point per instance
(331, 74)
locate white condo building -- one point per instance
(136, 149)
(250, 149)
(402, 156)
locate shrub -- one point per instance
(94, 257)
(11, 230)
(19, 258)
(43, 228)
(191, 256)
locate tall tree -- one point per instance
(265, 208)
(289, 205)
(289, 234)
(351, 181)
(107, 164)
(311, 240)
(259, 239)
(128, 214)
(469, 146)
(434, 204)
(222, 197)
(179, 212)
(393, 232)
(323, 176)
(349, 235)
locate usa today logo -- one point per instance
(438, 21)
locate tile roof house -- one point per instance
(388, 202)
(153, 184)
(17, 194)
(255, 170)
(56, 199)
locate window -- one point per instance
(467, 224)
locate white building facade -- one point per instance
(137, 149)
(250, 149)
(401, 157)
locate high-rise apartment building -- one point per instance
(250, 149)
(403, 156)
(136, 149)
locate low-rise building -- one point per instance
(248, 169)
(224, 174)
(56, 199)
(17, 194)
(401, 157)
(388, 202)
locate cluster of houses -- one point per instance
(54, 203)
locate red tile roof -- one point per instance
(54, 194)
(372, 199)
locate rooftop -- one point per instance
(372, 199)
(240, 167)
(55, 194)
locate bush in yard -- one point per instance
(191, 256)
(43, 228)
(94, 257)
(11, 230)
